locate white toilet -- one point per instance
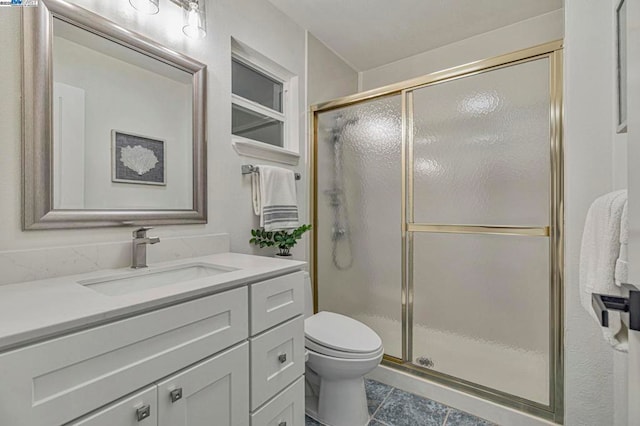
(341, 351)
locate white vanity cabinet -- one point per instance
(216, 388)
(277, 351)
(194, 363)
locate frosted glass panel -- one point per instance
(481, 310)
(359, 199)
(481, 148)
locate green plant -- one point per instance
(284, 240)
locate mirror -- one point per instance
(114, 125)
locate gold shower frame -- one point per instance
(555, 232)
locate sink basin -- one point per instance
(131, 282)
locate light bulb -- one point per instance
(149, 7)
(195, 20)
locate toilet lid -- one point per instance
(341, 333)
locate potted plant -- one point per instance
(283, 240)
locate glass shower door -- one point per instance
(358, 215)
(479, 220)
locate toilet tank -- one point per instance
(308, 296)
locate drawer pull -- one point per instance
(143, 412)
(282, 424)
(282, 358)
(176, 395)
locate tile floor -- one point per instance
(390, 406)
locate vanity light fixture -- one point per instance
(194, 14)
(194, 17)
(149, 7)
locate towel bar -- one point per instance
(247, 169)
(603, 303)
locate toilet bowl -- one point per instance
(341, 351)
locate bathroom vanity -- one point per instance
(211, 340)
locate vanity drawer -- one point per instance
(277, 359)
(276, 300)
(62, 379)
(286, 409)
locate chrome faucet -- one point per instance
(139, 247)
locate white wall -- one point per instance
(595, 160)
(328, 76)
(256, 23)
(521, 35)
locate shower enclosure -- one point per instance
(438, 223)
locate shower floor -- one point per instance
(515, 371)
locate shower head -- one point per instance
(343, 122)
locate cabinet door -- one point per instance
(214, 391)
(139, 409)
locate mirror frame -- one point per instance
(37, 122)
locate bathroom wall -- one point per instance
(527, 33)
(328, 76)
(254, 22)
(595, 159)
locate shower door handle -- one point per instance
(603, 303)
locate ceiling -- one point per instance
(370, 33)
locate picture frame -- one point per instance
(621, 67)
(137, 159)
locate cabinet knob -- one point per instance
(282, 424)
(176, 395)
(143, 412)
(282, 358)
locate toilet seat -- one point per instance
(339, 336)
(323, 350)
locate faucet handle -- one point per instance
(141, 232)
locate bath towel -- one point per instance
(622, 267)
(274, 198)
(598, 255)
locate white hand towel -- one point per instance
(598, 254)
(622, 266)
(274, 198)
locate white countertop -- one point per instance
(39, 309)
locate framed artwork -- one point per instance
(621, 65)
(137, 159)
